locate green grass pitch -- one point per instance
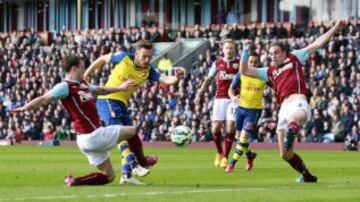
(34, 173)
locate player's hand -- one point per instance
(180, 72)
(235, 99)
(247, 44)
(17, 110)
(340, 24)
(127, 85)
(87, 78)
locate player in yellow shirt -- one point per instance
(247, 113)
(113, 107)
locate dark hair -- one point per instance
(144, 44)
(281, 45)
(70, 61)
(255, 54)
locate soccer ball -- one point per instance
(181, 136)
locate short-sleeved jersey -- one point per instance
(251, 91)
(225, 73)
(287, 78)
(125, 69)
(79, 103)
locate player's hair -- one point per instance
(70, 61)
(228, 41)
(255, 54)
(144, 44)
(281, 45)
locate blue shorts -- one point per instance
(113, 112)
(246, 119)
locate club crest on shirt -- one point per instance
(235, 66)
(85, 96)
(144, 73)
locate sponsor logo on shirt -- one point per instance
(279, 71)
(252, 87)
(224, 76)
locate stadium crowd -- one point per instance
(28, 69)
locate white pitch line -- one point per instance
(156, 193)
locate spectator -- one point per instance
(61, 134)
(165, 64)
(337, 129)
(314, 136)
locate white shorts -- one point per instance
(287, 109)
(223, 109)
(97, 145)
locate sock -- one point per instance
(229, 139)
(298, 164)
(241, 147)
(293, 131)
(92, 179)
(217, 141)
(135, 146)
(244, 145)
(127, 155)
(126, 170)
(236, 156)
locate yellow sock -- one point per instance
(244, 144)
(127, 157)
(124, 148)
(241, 147)
(237, 153)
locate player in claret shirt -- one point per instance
(286, 77)
(223, 70)
(92, 139)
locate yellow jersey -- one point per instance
(124, 70)
(251, 91)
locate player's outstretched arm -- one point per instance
(202, 89)
(244, 69)
(323, 39)
(35, 103)
(102, 90)
(97, 64)
(171, 80)
(206, 82)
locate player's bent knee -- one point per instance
(230, 126)
(216, 127)
(126, 133)
(244, 134)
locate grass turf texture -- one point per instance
(34, 173)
